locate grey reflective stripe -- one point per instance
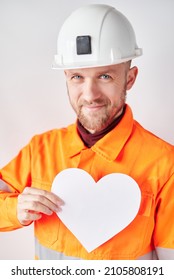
(165, 253)
(44, 253)
(4, 187)
(149, 256)
(159, 254)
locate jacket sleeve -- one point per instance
(164, 221)
(14, 177)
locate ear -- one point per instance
(131, 77)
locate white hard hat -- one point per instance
(95, 35)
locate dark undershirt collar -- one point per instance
(90, 139)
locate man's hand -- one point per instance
(32, 203)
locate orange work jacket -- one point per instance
(128, 149)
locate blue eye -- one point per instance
(77, 77)
(105, 76)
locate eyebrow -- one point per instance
(71, 72)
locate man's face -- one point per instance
(98, 94)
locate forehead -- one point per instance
(96, 70)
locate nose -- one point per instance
(91, 90)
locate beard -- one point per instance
(95, 121)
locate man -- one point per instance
(95, 47)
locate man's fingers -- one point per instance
(33, 202)
(27, 217)
(35, 206)
(43, 193)
(37, 203)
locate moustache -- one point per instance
(99, 101)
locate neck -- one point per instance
(90, 138)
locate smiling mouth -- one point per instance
(94, 106)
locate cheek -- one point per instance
(73, 98)
(72, 92)
(116, 95)
(112, 93)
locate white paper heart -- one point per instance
(95, 212)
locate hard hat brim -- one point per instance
(91, 64)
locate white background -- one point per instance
(33, 97)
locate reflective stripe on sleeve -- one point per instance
(149, 256)
(165, 253)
